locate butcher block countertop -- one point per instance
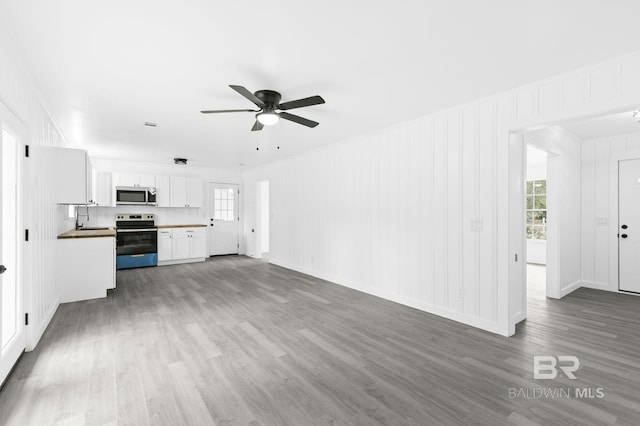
(197, 225)
(88, 233)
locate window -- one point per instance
(537, 210)
(223, 207)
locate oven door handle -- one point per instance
(137, 230)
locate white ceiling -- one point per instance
(106, 67)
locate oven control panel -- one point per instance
(135, 216)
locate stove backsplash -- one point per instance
(106, 216)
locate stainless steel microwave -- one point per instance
(135, 195)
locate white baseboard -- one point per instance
(570, 288)
(179, 261)
(480, 323)
(33, 337)
(598, 285)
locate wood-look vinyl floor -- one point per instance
(239, 341)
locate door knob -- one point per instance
(624, 235)
(2, 269)
(624, 227)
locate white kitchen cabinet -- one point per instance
(134, 180)
(186, 192)
(86, 267)
(178, 191)
(102, 189)
(198, 245)
(163, 191)
(73, 176)
(165, 245)
(181, 245)
(194, 191)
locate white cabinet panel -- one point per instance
(180, 245)
(86, 267)
(147, 181)
(194, 191)
(73, 176)
(163, 191)
(124, 179)
(185, 192)
(102, 189)
(198, 243)
(178, 191)
(128, 179)
(165, 245)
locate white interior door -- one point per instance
(629, 225)
(12, 335)
(224, 220)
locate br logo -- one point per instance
(546, 366)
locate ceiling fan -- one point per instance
(271, 110)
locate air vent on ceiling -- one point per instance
(150, 124)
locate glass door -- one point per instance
(12, 336)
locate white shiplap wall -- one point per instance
(600, 207)
(390, 213)
(41, 215)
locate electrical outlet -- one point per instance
(476, 225)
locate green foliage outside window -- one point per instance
(537, 210)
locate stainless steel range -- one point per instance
(137, 241)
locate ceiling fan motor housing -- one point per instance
(270, 98)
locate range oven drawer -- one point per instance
(136, 260)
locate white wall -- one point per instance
(43, 218)
(600, 207)
(105, 216)
(391, 213)
(264, 216)
(563, 208)
(536, 170)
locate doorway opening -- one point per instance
(536, 223)
(262, 219)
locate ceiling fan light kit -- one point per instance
(267, 118)
(271, 110)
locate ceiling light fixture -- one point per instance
(268, 118)
(180, 161)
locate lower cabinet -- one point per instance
(86, 267)
(181, 245)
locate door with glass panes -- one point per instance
(224, 219)
(12, 331)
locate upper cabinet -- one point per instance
(185, 192)
(163, 191)
(73, 176)
(125, 179)
(103, 189)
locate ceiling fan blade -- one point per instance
(312, 100)
(247, 94)
(229, 110)
(257, 126)
(298, 119)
